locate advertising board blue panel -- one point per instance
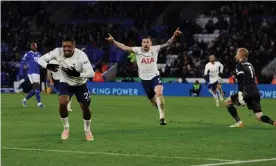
(170, 89)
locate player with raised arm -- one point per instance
(212, 74)
(248, 92)
(54, 77)
(148, 72)
(75, 69)
(31, 58)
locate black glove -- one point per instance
(71, 72)
(206, 77)
(220, 74)
(52, 67)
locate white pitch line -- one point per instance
(238, 162)
(33, 106)
(115, 154)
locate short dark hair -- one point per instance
(146, 37)
(70, 39)
(32, 43)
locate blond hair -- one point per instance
(245, 52)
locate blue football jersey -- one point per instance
(31, 59)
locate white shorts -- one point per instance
(34, 78)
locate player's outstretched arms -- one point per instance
(176, 33)
(111, 40)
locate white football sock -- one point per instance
(69, 105)
(220, 95)
(215, 96)
(87, 124)
(161, 106)
(65, 122)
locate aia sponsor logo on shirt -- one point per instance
(147, 60)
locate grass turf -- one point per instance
(127, 133)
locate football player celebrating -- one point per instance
(54, 77)
(148, 72)
(75, 69)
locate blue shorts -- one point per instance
(213, 86)
(81, 92)
(56, 84)
(149, 86)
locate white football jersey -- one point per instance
(79, 61)
(55, 75)
(147, 62)
(214, 71)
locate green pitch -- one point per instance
(127, 133)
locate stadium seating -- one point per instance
(254, 29)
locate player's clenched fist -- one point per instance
(110, 38)
(52, 67)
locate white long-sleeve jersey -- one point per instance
(55, 75)
(79, 61)
(214, 69)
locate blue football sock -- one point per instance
(37, 95)
(30, 94)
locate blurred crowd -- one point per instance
(251, 25)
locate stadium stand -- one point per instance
(216, 28)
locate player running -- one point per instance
(148, 72)
(212, 74)
(31, 58)
(54, 80)
(75, 69)
(248, 91)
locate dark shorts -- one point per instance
(81, 92)
(253, 102)
(213, 86)
(149, 86)
(56, 84)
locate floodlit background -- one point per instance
(126, 126)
